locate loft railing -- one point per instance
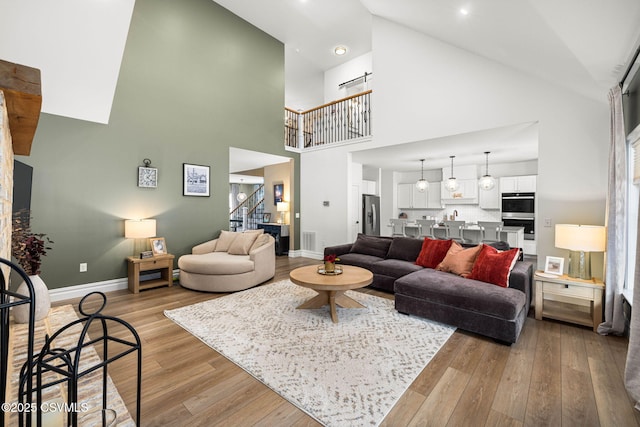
(342, 120)
(255, 209)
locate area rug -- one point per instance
(341, 374)
(89, 386)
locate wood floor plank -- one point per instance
(439, 405)
(544, 404)
(578, 399)
(539, 374)
(475, 402)
(510, 398)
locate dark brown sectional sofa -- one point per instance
(468, 304)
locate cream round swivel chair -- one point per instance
(232, 262)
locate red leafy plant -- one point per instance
(331, 258)
(28, 247)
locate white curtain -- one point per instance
(616, 220)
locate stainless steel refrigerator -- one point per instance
(370, 215)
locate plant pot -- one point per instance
(43, 301)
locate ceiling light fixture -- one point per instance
(340, 50)
(464, 11)
(422, 183)
(452, 183)
(487, 182)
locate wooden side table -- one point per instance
(571, 300)
(162, 263)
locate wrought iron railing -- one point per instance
(342, 120)
(255, 211)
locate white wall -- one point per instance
(345, 72)
(428, 89)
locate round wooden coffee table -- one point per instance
(331, 289)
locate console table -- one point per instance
(280, 232)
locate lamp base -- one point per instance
(580, 265)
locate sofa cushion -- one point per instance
(242, 243)
(225, 240)
(459, 260)
(433, 252)
(447, 289)
(405, 248)
(493, 266)
(359, 260)
(216, 263)
(394, 268)
(372, 245)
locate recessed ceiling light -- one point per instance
(464, 11)
(340, 50)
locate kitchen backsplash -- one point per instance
(469, 213)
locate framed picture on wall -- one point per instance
(196, 180)
(278, 191)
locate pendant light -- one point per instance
(422, 183)
(242, 196)
(452, 183)
(487, 182)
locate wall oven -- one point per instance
(518, 210)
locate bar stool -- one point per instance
(426, 227)
(397, 227)
(490, 231)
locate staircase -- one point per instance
(254, 204)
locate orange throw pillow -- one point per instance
(494, 266)
(432, 252)
(459, 260)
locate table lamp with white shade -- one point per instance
(282, 207)
(581, 240)
(140, 230)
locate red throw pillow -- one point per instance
(494, 266)
(432, 252)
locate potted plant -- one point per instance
(28, 248)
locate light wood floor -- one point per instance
(556, 375)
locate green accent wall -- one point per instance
(195, 80)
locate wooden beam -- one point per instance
(21, 87)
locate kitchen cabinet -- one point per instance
(467, 193)
(405, 196)
(408, 196)
(518, 184)
(489, 199)
(433, 196)
(369, 187)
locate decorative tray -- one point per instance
(322, 271)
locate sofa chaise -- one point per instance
(492, 297)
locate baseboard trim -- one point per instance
(78, 291)
(312, 255)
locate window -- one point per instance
(633, 197)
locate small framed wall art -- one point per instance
(158, 246)
(147, 176)
(196, 180)
(278, 191)
(266, 217)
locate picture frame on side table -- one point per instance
(196, 180)
(158, 246)
(266, 217)
(554, 265)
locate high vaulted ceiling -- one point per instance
(583, 45)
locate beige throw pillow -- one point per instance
(225, 240)
(262, 240)
(242, 244)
